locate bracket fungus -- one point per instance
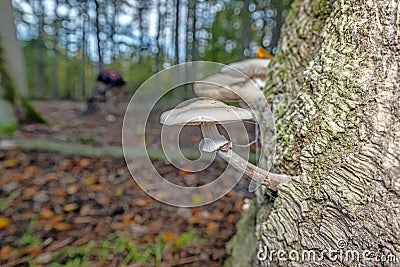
(207, 113)
(233, 81)
(242, 82)
(244, 79)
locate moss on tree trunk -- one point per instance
(335, 90)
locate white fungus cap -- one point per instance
(205, 111)
(250, 67)
(235, 81)
(220, 86)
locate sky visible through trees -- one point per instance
(155, 33)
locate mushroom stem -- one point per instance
(268, 179)
(214, 141)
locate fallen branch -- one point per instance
(37, 144)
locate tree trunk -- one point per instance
(157, 39)
(14, 103)
(13, 55)
(334, 85)
(246, 30)
(194, 49)
(141, 30)
(177, 24)
(98, 31)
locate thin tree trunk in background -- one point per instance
(141, 29)
(69, 84)
(184, 27)
(170, 36)
(114, 48)
(100, 66)
(39, 89)
(83, 51)
(177, 13)
(56, 89)
(335, 87)
(190, 18)
(246, 30)
(55, 59)
(229, 16)
(194, 46)
(41, 52)
(178, 94)
(158, 57)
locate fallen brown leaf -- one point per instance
(169, 237)
(103, 200)
(84, 162)
(46, 214)
(83, 219)
(30, 192)
(33, 250)
(70, 207)
(62, 226)
(142, 202)
(30, 170)
(5, 252)
(211, 227)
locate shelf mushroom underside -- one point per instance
(208, 113)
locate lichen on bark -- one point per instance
(335, 94)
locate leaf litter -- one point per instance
(55, 208)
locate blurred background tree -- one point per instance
(14, 103)
(66, 40)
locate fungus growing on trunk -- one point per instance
(208, 113)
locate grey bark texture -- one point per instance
(335, 90)
(13, 55)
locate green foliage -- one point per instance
(77, 256)
(119, 245)
(29, 238)
(66, 77)
(86, 139)
(8, 130)
(5, 204)
(242, 252)
(131, 251)
(58, 66)
(60, 76)
(8, 118)
(185, 239)
(158, 250)
(225, 44)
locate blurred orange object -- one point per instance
(262, 53)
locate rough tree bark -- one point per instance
(335, 90)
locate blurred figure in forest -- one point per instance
(106, 95)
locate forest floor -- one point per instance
(68, 209)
